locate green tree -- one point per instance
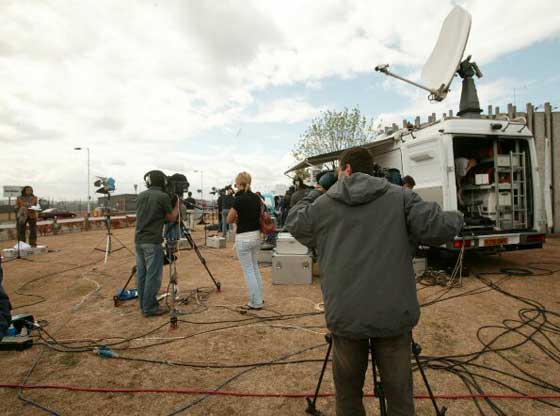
(333, 131)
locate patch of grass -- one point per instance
(68, 360)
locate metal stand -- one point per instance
(311, 408)
(108, 240)
(170, 259)
(109, 236)
(201, 258)
(377, 383)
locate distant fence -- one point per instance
(545, 124)
(52, 227)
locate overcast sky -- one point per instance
(224, 86)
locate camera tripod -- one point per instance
(170, 258)
(377, 383)
(109, 236)
(109, 240)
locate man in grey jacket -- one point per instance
(364, 230)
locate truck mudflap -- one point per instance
(498, 242)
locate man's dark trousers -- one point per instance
(32, 231)
(393, 358)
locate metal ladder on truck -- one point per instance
(517, 188)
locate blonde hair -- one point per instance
(243, 181)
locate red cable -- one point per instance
(269, 395)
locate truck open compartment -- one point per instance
(494, 183)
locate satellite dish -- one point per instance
(446, 56)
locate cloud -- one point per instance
(285, 110)
(148, 82)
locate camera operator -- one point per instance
(153, 209)
(5, 307)
(362, 228)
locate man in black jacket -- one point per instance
(5, 307)
(362, 229)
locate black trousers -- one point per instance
(32, 231)
(350, 362)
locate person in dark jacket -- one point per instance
(228, 201)
(362, 229)
(5, 307)
(154, 207)
(301, 190)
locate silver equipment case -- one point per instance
(287, 244)
(291, 269)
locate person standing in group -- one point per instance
(408, 182)
(301, 190)
(227, 203)
(25, 215)
(246, 212)
(190, 203)
(153, 209)
(367, 276)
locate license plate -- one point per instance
(495, 242)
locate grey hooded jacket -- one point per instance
(362, 230)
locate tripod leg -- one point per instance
(108, 247)
(203, 262)
(311, 409)
(171, 296)
(116, 297)
(377, 385)
(416, 349)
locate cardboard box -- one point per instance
(419, 265)
(216, 242)
(481, 179)
(183, 244)
(39, 250)
(9, 253)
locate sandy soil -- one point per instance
(76, 290)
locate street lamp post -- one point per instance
(201, 183)
(88, 181)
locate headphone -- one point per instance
(154, 173)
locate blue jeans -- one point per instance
(149, 267)
(247, 252)
(225, 225)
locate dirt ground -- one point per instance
(75, 294)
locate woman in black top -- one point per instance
(246, 213)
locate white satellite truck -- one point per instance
(500, 195)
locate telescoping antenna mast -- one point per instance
(445, 61)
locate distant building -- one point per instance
(123, 202)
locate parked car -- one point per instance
(56, 212)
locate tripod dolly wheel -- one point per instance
(116, 301)
(218, 286)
